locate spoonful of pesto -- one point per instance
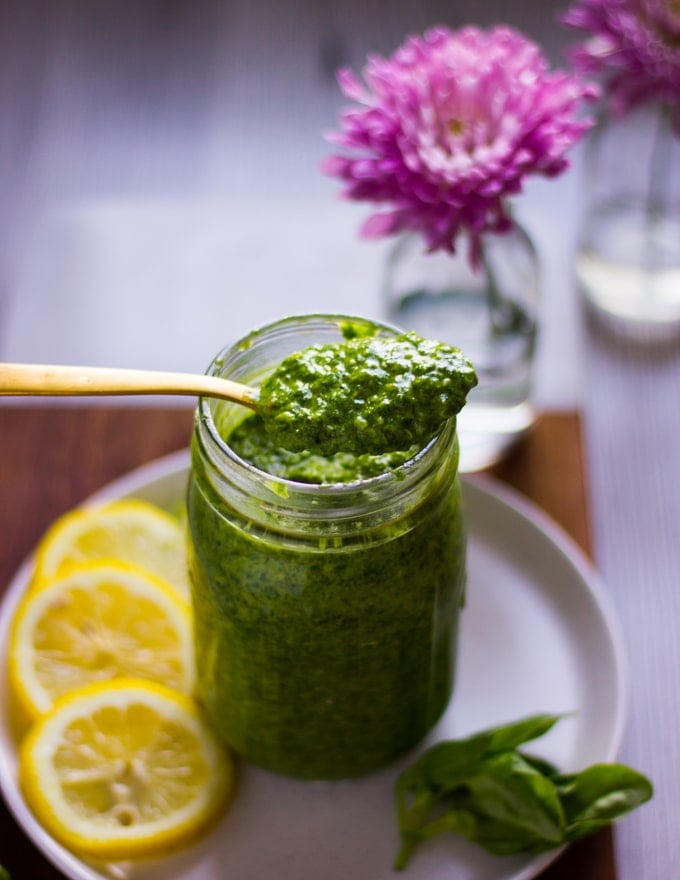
(366, 394)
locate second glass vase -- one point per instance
(628, 262)
(491, 313)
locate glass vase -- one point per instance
(490, 311)
(628, 261)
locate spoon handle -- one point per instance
(46, 380)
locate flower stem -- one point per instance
(658, 180)
(661, 150)
(505, 315)
(493, 293)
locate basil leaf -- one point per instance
(505, 806)
(500, 802)
(454, 821)
(518, 799)
(545, 767)
(599, 795)
(495, 837)
(443, 766)
(511, 736)
(486, 790)
(446, 764)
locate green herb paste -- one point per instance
(252, 442)
(368, 394)
(323, 652)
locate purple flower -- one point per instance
(446, 129)
(634, 45)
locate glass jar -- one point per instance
(490, 310)
(628, 260)
(326, 616)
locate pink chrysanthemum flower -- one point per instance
(634, 45)
(446, 129)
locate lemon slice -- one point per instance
(124, 770)
(133, 531)
(98, 621)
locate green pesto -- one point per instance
(325, 658)
(365, 394)
(251, 441)
(324, 653)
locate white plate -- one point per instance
(538, 634)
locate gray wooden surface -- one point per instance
(161, 195)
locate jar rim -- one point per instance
(282, 485)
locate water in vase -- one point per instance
(500, 343)
(629, 270)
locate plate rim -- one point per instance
(576, 556)
(175, 464)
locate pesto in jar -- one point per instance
(255, 444)
(326, 590)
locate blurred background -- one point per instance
(161, 191)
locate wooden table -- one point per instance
(51, 458)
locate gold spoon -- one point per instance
(44, 380)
